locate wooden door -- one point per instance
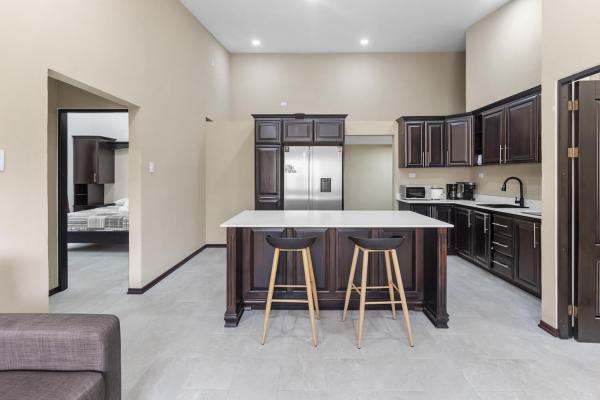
(344, 252)
(268, 177)
(297, 131)
(527, 255)
(329, 130)
(105, 169)
(481, 238)
(522, 130)
(462, 231)
(587, 322)
(414, 147)
(459, 141)
(261, 260)
(267, 131)
(85, 160)
(434, 136)
(492, 136)
(408, 268)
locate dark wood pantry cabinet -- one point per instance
(274, 131)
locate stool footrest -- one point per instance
(290, 286)
(383, 302)
(289, 301)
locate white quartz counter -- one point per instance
(534, 206)
(332, 219)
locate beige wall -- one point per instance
(150, 53)
(494, 176)
(504, 53)
(62, 95)
(570, 45)
(368, 177)
(368, 87)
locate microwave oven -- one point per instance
(415, 192)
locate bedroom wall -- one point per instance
(151, 55)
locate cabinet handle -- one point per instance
(469, 225)
(500, 154)
(534, 228)
(485, 226)
(423, 160)
(94, 177)
(502, 265)
(447, 156)
(500, 244)
(505, 154)
(500, 225)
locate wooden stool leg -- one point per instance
(309, 295)
(313, 283)
(402, 297)
(350, 282)
(388, 270)
(270, 294)
(363, 296)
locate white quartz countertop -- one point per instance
(521, 212)
(332, 219)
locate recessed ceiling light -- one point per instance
(255, 42)
(364, 41)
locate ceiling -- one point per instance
(331, 26)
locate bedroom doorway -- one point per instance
(92, 198)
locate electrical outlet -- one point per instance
(1, 160)
(151, 167)
(412, 175)
(481, 175)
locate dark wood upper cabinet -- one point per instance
(93, 160)
(527, 271)
(268, 177)
(492, 136)
(414, 141)
(434, 143)
(329, 131)
(267, 131)
(522, 130)
(459, 141)
(298, 131)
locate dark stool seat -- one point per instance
(296, 243)
(378, 244)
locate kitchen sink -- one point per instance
(505, 205)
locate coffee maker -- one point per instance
(465, 190)
(451, 191)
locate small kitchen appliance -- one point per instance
(465, 190)
(437, 193)
(415, 192)
(451, 191)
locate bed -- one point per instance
(106, 225)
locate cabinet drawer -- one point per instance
(502, 225)
(502, 264)
(502, 244)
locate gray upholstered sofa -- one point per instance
(60, 356)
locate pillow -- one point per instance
(122, 201)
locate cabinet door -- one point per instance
(445, 213)
(344, 249)
(105, 169)
(85, 161)
(329, 131)
(422, 209)
(268, 177)
(527, 255)
(297, 131)
(408, 270)
(481, 238)
(414, 144)
(267, 131)
(320, 259)
(462, 231)
(492, 136)
(522, 131)
(434, 135)
(261, 260)
(459, 141)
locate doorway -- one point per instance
(579, 206)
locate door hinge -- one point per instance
(573, 105)
(573, 152)
(572, 311)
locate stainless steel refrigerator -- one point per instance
(312, 177)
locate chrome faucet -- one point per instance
(520, 200)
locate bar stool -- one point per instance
(301, 245)
(388, 247)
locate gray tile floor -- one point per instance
(175, 346)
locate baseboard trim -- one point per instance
(215, 246)
(52, 292)
(168, 272)
(549, 328)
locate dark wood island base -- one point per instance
(422, 256)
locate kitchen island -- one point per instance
(422, 258)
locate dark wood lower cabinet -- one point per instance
(420, 255)
(528, 255)
(480, 237)
(462, 232)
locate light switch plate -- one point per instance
(151, 167)
(481, 175)
(1, 160)
(412, 175)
